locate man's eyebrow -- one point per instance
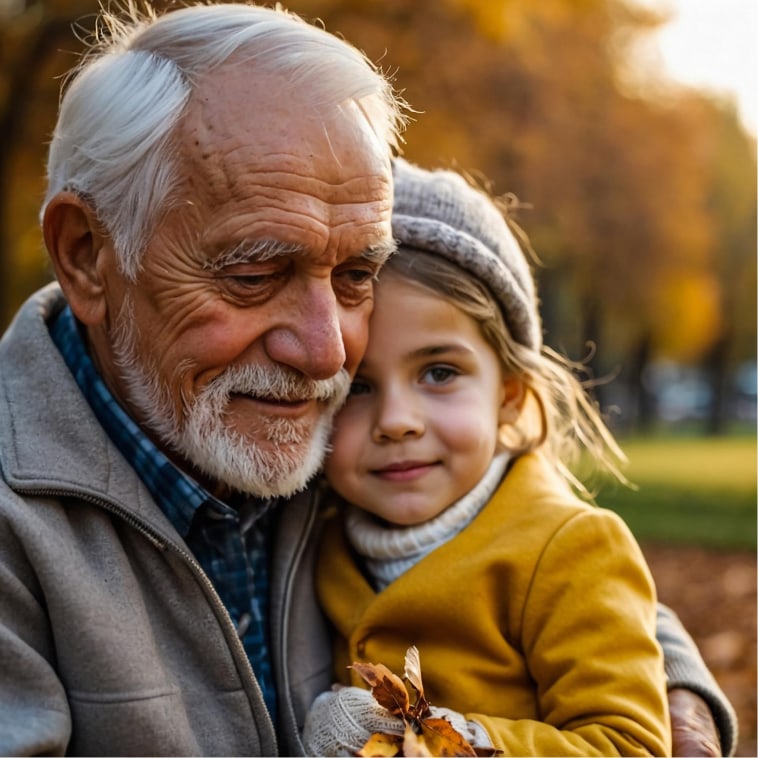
(380, 252)
(252, 251)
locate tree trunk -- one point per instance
(642, 402)
(716, 365)
(591, 333)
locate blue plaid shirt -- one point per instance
(230, 543)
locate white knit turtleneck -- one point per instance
(390, 551)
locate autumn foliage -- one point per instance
(642, 196)
(425, 735)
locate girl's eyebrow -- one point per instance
(431, 351)
(452, 351)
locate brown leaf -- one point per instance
(413, 669)
(387, 688)
(382, 745)
(412, 672)
(424, 735)
(441, 739)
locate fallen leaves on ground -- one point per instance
(714, 593)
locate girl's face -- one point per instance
(420, 426)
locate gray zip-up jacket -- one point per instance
(112, 638)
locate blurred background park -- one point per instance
(638, 194)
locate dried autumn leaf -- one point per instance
(412, 672)
(381, 745)
(487, 752)
(387, 688)
(424, 735)
(441, 739)
(413, 669)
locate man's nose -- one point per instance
(310, 338)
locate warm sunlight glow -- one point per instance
(713, 45)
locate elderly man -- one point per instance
(219, 203)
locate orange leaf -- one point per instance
(382, 745)
(442, 739)
(387, 688)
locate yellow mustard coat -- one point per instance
(537, 621)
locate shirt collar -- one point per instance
(178, 495)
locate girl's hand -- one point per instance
(339, 722)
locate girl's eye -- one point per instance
(440, 374)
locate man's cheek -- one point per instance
(355, 336)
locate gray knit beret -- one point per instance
(440, 212)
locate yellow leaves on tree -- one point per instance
(424, 734)
(689, 307)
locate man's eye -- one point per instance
(250, 280)
(354, 284)
(250, 287)
(358, 275)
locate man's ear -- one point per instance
(514, 398)
(77, 247)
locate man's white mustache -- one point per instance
(279, 384)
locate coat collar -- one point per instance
(52, 443)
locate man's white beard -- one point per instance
(294, 449)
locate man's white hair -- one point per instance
(113, 141)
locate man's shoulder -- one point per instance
(28, 329)
(47, 432)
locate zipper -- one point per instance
(294, 566)
(162, 543)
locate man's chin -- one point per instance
(259, 469)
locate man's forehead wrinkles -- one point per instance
(305, 181)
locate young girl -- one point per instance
(462, 533)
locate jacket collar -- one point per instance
(52, 442)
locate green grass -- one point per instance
(698, 491)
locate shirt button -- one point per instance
(361, 648)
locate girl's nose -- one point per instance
(399, 417)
